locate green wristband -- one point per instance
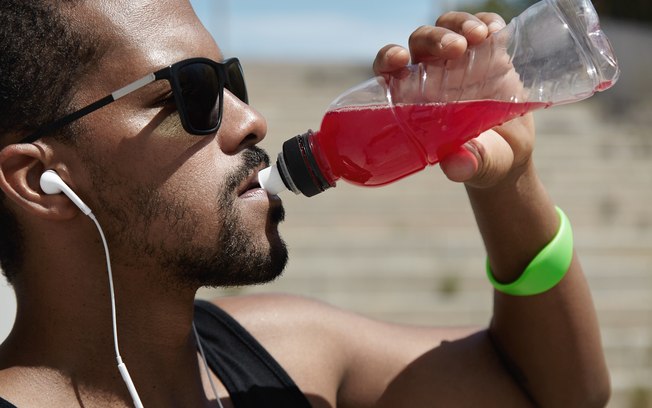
(547, 269)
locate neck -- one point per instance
(64, 324)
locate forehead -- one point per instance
(140, 36)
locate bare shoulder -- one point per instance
(283, 312)
(301, 335)
(308, 323)
(350, 360)
(288, 324)
(271, 308)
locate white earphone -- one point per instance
(51, 183)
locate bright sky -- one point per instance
(311, 30)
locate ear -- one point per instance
(21, 166)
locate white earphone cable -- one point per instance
(208, 371)
(110, 272)
(121, 366)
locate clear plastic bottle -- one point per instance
(387, 128)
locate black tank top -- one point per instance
(252, 377)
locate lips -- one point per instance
(251, 182)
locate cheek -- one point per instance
(199, 186)
(139, 140)
(159, 168)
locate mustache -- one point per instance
(252, 158)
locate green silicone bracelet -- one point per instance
(547, 269)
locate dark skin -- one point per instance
(538, 351)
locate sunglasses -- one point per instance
(198, 89)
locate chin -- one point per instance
(240, 257)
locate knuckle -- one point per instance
(419, 33)
(489, 17)
(447, 18)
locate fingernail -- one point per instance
(466, 170)
(397, 51)
(449, 38)
(460, 166)
(495, 26)
(471, 26)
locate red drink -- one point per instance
(603, 86)
(376, 145)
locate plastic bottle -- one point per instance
(387, 128)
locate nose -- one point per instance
(242, 126)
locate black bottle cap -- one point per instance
(302, 166)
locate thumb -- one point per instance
(480, 162)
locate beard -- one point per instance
(181, 256)
(236, 258)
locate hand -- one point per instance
(496, 154)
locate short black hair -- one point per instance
(42, 54)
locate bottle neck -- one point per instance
(300, 168)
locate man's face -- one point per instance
(184, 207)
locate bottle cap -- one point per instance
(270, 180)
(298, 166)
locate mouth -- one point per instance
(250, 186)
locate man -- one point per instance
(175, 191)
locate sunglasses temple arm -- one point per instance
(125, 90)
(90, 108)
(67, 119)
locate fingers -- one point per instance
(460, 166)
(429, 42)
(448, 39)
(468, 25)
(481, 162)
(452, 34)
(474, 27)
(493, 21)
(489, 158)
(492, 156)
(390, 58)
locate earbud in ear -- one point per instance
(51, 183)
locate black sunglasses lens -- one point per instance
(235, 81)
(200, 93)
